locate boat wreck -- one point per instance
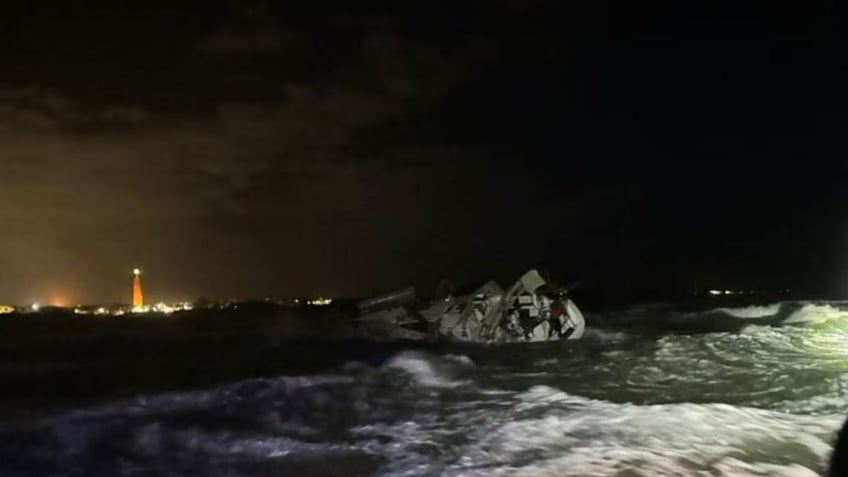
(531, 310)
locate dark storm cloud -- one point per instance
(251, 148)
(242, 43)
(227, 150)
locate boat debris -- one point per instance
(531, 310)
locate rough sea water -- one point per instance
(652, 391)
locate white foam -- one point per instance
(546, 362)
(410, 429)
(730, 467)
(459, 359)
(752, 311)
(605, 336)
(425, 369)
(554, 433)
(618, 462)
(544, 395)
(812, 313)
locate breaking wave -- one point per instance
(554, 433)
(430, 370)
(606, 335)
(813, 313)
(369, 427)
(752, 311)
(756, 400)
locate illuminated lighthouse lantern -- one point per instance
(138, 295)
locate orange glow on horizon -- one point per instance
(59, 300)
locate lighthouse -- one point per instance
(138, 295)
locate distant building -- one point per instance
(138, 295)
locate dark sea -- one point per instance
(656, 390)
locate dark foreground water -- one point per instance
(653, 391)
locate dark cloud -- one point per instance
(242, 43)
(264, 148)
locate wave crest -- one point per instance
(812, 313)
(752, 311)
(429, 370)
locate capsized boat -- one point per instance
(531, 310)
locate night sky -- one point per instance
(259, 148)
